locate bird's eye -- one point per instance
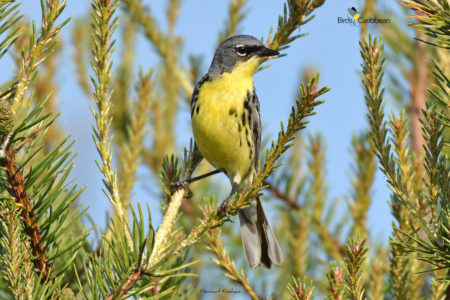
(240, 50)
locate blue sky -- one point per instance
(331, 48)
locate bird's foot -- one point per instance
(223, 209)
(175, 186)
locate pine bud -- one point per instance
(5, 119)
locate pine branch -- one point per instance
(223, 261)
(429, 241)
(434, 20)
(165, 229)
(104, 24)
(9, 17)
(362, 181)
(234, 18)
(376, 282)
(299, 290)
(121, 83)
(16, 262)
(296, 14)
(335, 283)
(38, 190)
(22, 199)
(118, 271)
(17, 187)
(333, 246)
(79, 40)
(132, 149)
(44, 85)
(33, 175)
(302, 256)
(165, 49)
(354, 258)
(372, 54)
(440, 96)
(40, 46)
(171, 79)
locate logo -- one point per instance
(355, 18)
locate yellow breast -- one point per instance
(217, 121)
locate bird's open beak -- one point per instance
(267, 52)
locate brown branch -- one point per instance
(419, 83)
(131, 280)
(282, 196)
(416, 8)
(22, 199)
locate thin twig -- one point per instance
(104, 23)
(282, 196)
(134, 276)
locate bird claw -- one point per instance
(223, 212)
(175, 186)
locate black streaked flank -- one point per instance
(194, 97)
(247, 101)
(255, 129)
(195, 93)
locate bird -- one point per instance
(226, 125)
(354, 13)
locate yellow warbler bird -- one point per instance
(227, 130)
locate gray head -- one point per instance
(235, 49)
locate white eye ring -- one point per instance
(240, 50)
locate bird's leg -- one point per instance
(185, 183)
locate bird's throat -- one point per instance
(239, 80)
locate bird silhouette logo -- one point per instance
(355, 15)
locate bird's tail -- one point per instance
(258, 240)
